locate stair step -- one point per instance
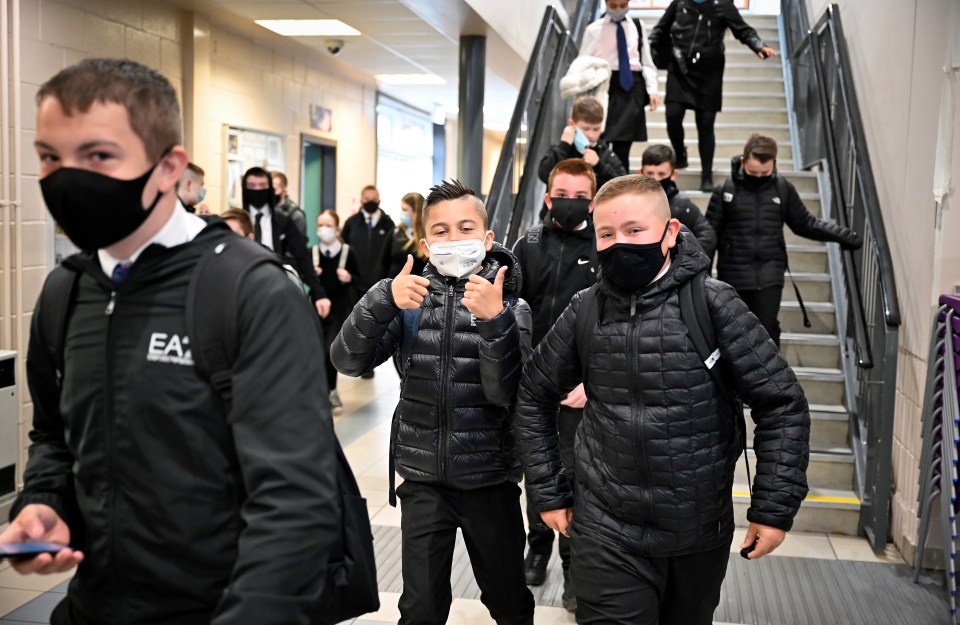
(822, 318)
(821, 385)
(809, 350)
(720, 170)
(657, 131)
(757, 116)
(824, 511)
(813, 286)
(740, 99)
(807, 258)
(829, 427)
(725, 148)
(825, 470)
(741, 84)
(758, 69)
(803, 182)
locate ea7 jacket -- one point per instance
(684, 210)
(751, 249)
(656, 450)
(186, 514)
(453, 425)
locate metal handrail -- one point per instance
(511, 203)
(830, 131)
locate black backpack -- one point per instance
(351, 582)
(695, 314)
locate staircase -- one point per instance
(754, 101)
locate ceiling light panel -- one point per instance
(410, 79)
(309, 28)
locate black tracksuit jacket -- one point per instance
(453, 425)
(186, 515)
(751, 249)
(656, 449)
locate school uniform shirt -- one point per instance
(600, 40)
(342, 296)
(266, 225)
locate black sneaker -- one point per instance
(569, 598)
(706, 182)
(535, 568)
(682, 159)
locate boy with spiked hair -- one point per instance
(463, 337)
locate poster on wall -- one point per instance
(321, 118)
(245, 149)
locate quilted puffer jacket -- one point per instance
(453, 425)
(751, 250)
(656, 451)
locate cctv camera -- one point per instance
(334, 46)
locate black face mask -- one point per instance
(371, 206)
(632, 266)
(569, 212)
(94, 210)
(755, 182)
(669, 186)
(257, 198)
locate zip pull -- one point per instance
(696, 58)
(633, 305)
(111, 304)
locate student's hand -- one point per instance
(766, 53)
(767, 539)
(483, 299)
(40, 523)
(323, 306)
(654, 101)
(569, 132)
(408, 290)
(318, 270)
(576, 399)
(590, 155)
(558, 519)
(344, 276)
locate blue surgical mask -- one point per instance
(616, 16)
(202, 194)
(580, 140)
(407, 220)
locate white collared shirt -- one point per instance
(373, 219)
(182, 227)
(266, 226)
(334, 248)
(600, 40)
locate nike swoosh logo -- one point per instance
(583, 261)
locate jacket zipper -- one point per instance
(636, 404)
(111, 451)
(693, 42)
(556, 282)
(756, 241)
(448, 329)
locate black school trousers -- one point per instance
(617, 587)
(492, 527)
(540, 537)
(765, 304)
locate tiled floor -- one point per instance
(363, 426)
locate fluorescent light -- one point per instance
(410, 79)
(309, 28)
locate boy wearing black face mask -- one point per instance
(656, 449)
(659, 162)
(748, 212)
(558, 259)
(178, 509)
(463, 337)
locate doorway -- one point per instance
(318, 180)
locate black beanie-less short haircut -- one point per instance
(449, 190)
(657, 154)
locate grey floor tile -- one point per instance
(38, 610)
(61, 588)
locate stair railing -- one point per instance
(516, 193)
(831, 135)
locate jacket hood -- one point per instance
(497, 256)
(671, 189)
(686, 261)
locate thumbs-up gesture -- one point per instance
(409, 290)
(483, 299)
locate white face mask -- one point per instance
(327, 234)
(457, 259)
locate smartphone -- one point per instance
(25, 551)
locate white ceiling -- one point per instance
(396, 40)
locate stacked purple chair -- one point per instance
(941, 443)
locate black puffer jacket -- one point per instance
(697, 29)
(657, 446)
(606, 169)
(453, 425)
(686, 212)
(751, 250)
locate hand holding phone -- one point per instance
(25, 551)
(35, 525)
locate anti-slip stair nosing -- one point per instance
(812, 339)
(823, 307)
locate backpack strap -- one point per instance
(344, 250)
(695, 314)
(315, 253)
(56, 301)
(533, 253)
(215, 286)
(588, 315)
(783, 192)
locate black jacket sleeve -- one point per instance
(356, 278)
(284, 442)
(740, 29)
(660, 35)
(691, 217)
(806, 225)
(295, 245)
(555, 154)
(767, 384)
(608, 167)
(504, 348)
(553, 371)
(347, 231)
(48, 478)
(520, 251)
(370, 335)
